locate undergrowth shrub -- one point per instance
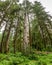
(41, 63)
(33, 57)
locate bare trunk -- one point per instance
(15, 35)
(14, 41)
(26, 34)
(1, 44)
(7, 39)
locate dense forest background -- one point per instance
(27, 28)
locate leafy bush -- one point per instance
(20, 59)
(33, 57)
(13, 59)
(41, 63)
(2, 57)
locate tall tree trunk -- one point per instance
(26, 34)
(15, 35)
(7, 39)
(30, 37)
(45, 34)
(14, 41)
(1, 44)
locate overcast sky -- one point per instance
(46, 3)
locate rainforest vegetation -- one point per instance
(25, 33)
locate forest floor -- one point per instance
(38, 58)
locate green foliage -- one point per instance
(15, 14)
(20, 59)
(41, 63)
(3, 5)
(33, 57)
(36, 36)
(13, 59)
(14, 8)
(41, 36)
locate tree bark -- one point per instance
(26, 34)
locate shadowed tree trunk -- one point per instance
(1, 44)
(16, 35)
(5, 37)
